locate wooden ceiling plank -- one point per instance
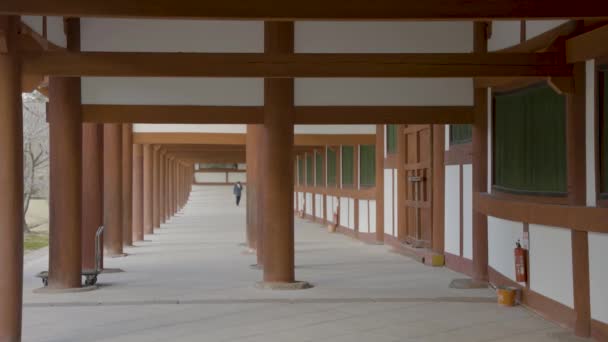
(312, 9)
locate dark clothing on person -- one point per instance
(238, 188)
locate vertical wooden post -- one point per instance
(112, 189)
(380, 183)
(148, 185)
(278, 150)
(65, 129)
(11, 183)
(156, 187)
(577, 193)
(480, 164)
(161, 187)
(402, 186)
(127, 184)
(92, 190)
(253, 209)
(138, 192)
(438, 199)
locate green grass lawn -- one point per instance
(33, 241)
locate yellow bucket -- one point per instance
(506, 296)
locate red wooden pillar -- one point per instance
(148, 185)
(11, 183)
(112, 189)
(138, 192)
(155, 187)
(380, 183)
(92, 189)
(278, 185)
(127, 184)
(480, 164)
(65, 137)
(161, 187)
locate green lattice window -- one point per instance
(367, 165)
(391, 138)
(461, 134)
(603, 98)
(348, 165)
(331, 167)
(301, 172)
(319, 169)
(309, 170)
(530, 141)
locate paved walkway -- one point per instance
(191, 281)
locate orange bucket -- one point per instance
(506, 296)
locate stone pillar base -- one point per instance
(296, 285)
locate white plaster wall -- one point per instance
(550, 258)
(372, 216)
(383, 37)
(300, 201)
(242, 166)
(329, 209)
(55, 31)
(351, 213)
(383, 91)
(318, 205)
(210, 177)
(452, 209)
(335, 202)
(335, 129)
(502, 235)
(505, 33)
(536, 27)
(388, 201)
(210, 91)
(590, 132)
(234, 177)
(158, 35)
(295, 201)
(188, 128)
(363, 216)
(34, 22)
(467, 211)
(344, 213)
(309, 206)
(598, 275)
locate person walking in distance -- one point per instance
(238, 188)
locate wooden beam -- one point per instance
(158, 64)
(305, 115)
(312, 9)
(201, 147)
(588, 45)
(328, 115)
(239, 139)
(189, 138)
(156, 114)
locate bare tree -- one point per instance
(35, 149)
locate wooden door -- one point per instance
(417, 173)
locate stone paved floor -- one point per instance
(191, 281)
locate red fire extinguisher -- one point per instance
(520, 263)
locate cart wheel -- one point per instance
(94, 280)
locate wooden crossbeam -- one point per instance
(588, 45)
(157, 114)
(239, 139)
(354, 115)
(135, 64)
(304, 115)
(312, 9)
